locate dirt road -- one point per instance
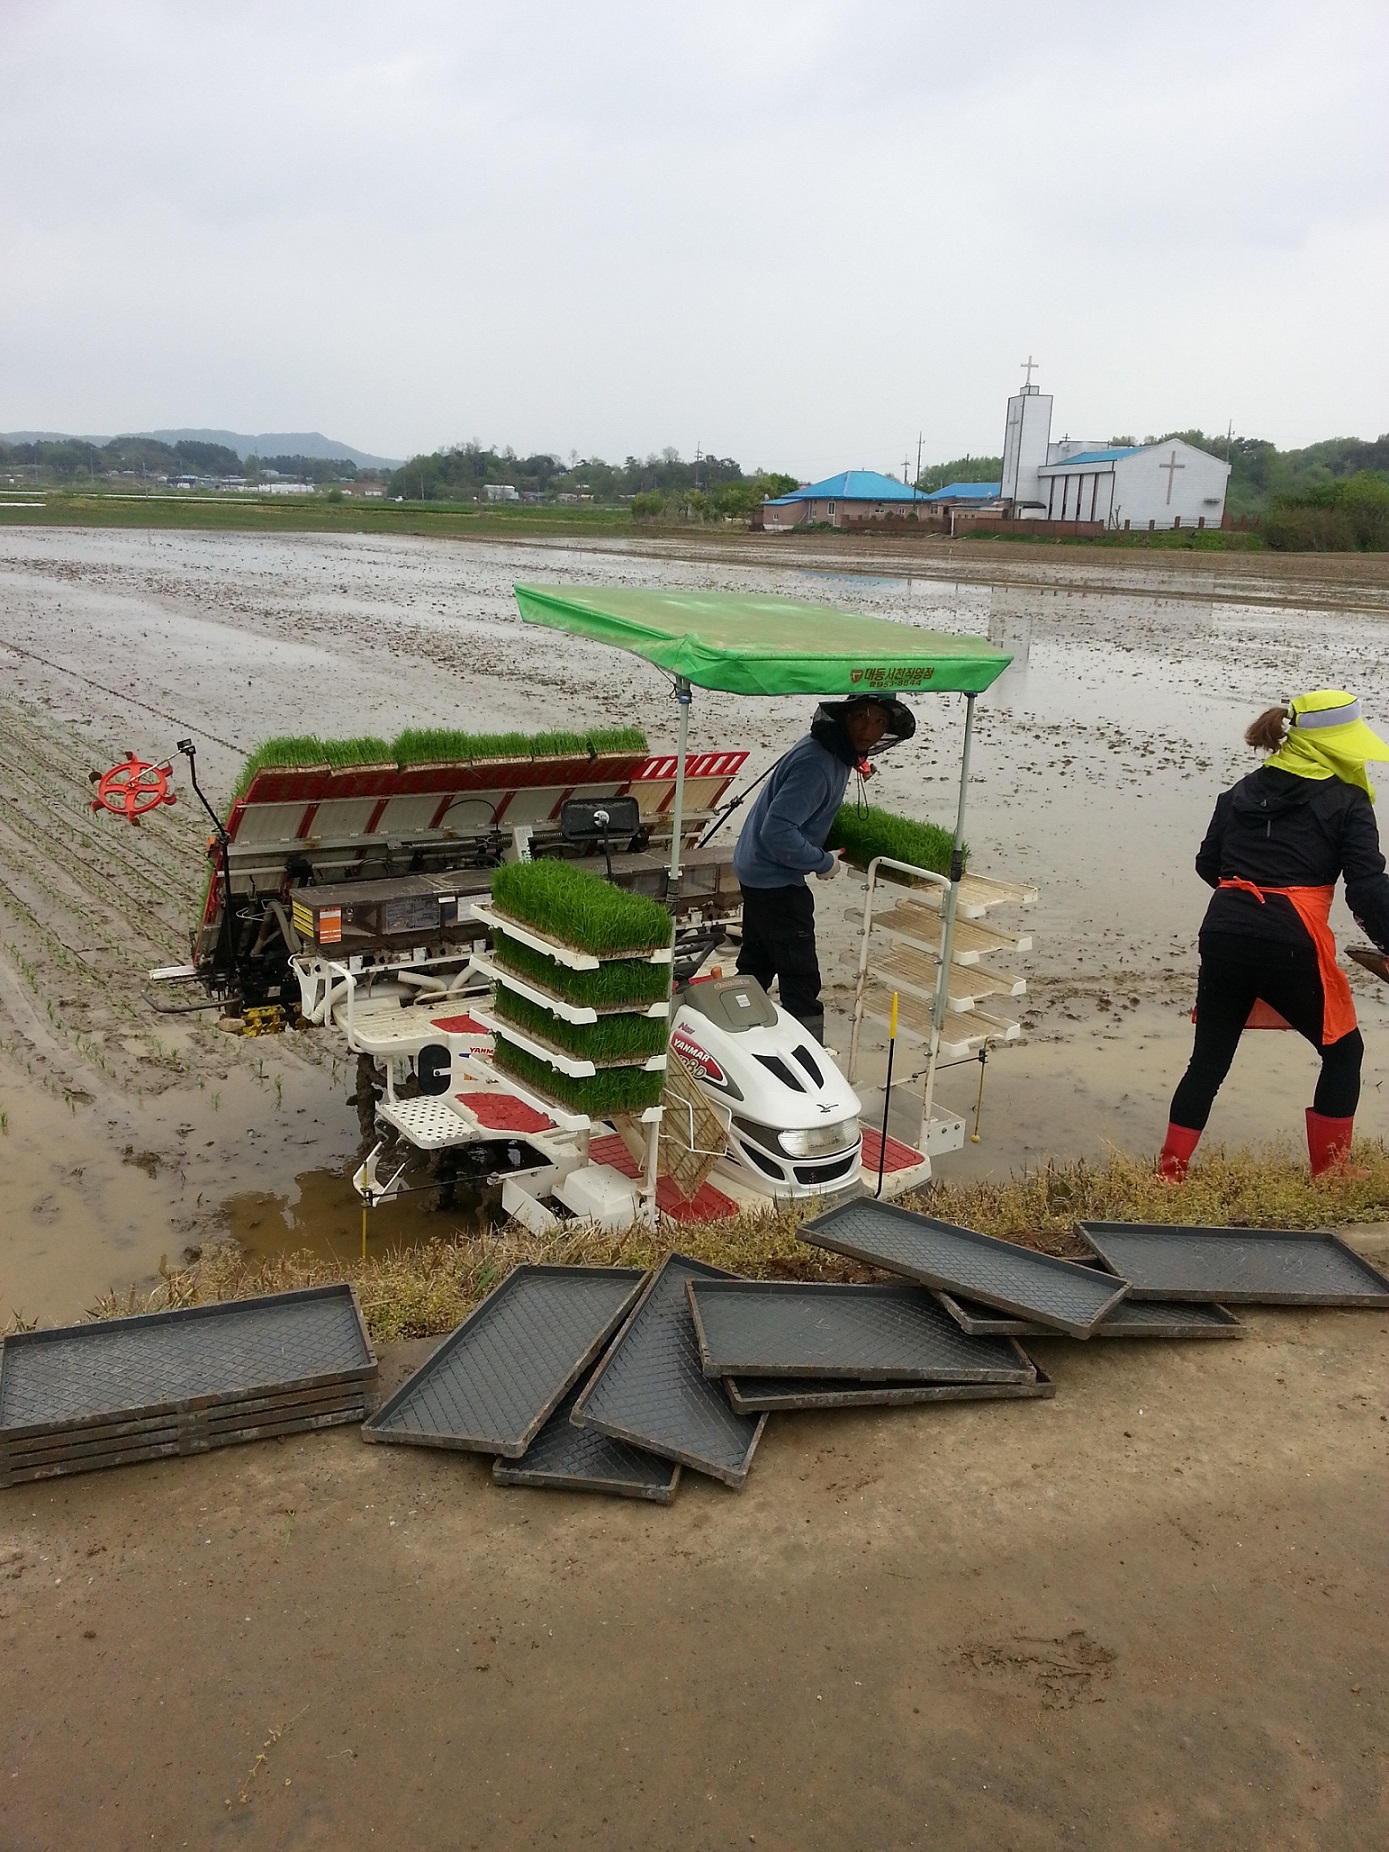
(1151, 1613)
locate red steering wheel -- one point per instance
(133, 788)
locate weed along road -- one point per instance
(1148, 1612)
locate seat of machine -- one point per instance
(733, 1003)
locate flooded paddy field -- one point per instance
(127, 1135)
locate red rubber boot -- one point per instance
(1328, 1146)
(1176, 1153)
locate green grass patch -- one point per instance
(862, 834)
(433, 745)
(579, 909)
(611, 1038)
(618, 983)
(422, 1291)
(614, 1089)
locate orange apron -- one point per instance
(1313, 907)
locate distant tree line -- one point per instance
(74, 460)
(960, 469)
(665, 484)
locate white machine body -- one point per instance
(792, 1118)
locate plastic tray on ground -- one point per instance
(1131, 1318)
(799, 1394)
(563, 1458)
(493, 1383)
(651, 1392)
(1060, 1294)
(177, 1382)
(865, 1333)
(1236, 1266)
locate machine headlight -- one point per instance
(819, 1140)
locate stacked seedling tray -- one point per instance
(581, 1014)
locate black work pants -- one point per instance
(779, 942)
(1235, 973)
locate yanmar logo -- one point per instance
(699, 1058)
(892, 678)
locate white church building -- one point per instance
(1171, 484)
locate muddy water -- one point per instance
(1098, 756)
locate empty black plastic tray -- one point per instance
(650, 1390)
(794, 1394)
(1236, 1266)
(868, 1333)
(1131, 1318)
(1060, 1294)
(563, 1458)
(494, 1382)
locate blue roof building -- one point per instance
(853, 495)
(970, 493)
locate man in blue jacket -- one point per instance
(783, 841)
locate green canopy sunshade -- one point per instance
(750, 644)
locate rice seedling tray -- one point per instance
(618, 1089)
(536, 992)
(752, 1395)
(122, 1375)
(563, 1458)
(493, 1383)
(651, 1391)
(1131, 1318)
(865, 1333)
(1236, 1266)
(1059, 1294)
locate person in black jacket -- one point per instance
(1275, 847)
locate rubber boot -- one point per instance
(1328, 1146)
(1176, 1153)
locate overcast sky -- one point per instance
(797, 234)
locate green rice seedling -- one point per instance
(616, 984)
(613, 1089)
(429, 745)
(433, 745)
(308, 750)
(862, 834)
(611, 1038)
(579, 909)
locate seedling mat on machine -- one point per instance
(1237, 1266)
(568, 1459)
(868, 1333)
(165, 1383)
(650, 1389)
(1060, 1294)
(493, 1383)
(1131, 1318)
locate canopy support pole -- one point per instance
(949, 904)
(683, 696)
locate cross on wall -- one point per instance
(1171, 466)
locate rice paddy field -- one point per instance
(134, 1139)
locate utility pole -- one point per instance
(906, 465)
(916, 480)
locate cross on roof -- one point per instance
(1029, 363)
(1171, 466)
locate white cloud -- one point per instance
(794, 233)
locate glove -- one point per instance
(829, 873)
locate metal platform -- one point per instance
(164, 1383)
(864, 1333)
(1059, 1294)
(431, 1123)
(493, 1383)
(794, 1395)
(563, 1458)
(651, 1391)
(1131, 1318)
(1236, 1266)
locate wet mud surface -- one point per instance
(129, 1135)
(1149, 1613)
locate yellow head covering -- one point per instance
(1328, 739)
